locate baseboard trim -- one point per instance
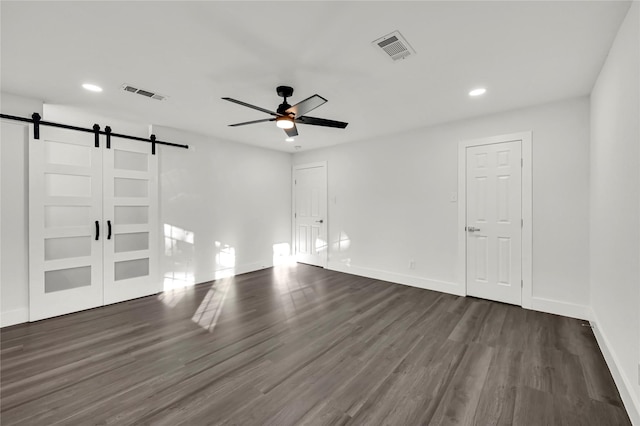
(565, 309)
(237, 270)
(631, 403)
(13, 317)
(251, 267)
(410, 280)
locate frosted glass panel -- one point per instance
(65, 279)
(132, 242)
(67, 154)
(67, 185)
(63, 248)
(126, 160)
(131, 187)
(131, 269)
(131, 215)
(61, 216)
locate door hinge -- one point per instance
(521, 283)
(522, 162)
(295, 215)
(295, 182)
(521, 223)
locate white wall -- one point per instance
(615, 210)
(223, 204)
(82, 118)
(14, 264)
(390, 197)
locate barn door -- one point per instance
(65, 223)
(93, 222)
(131, 218)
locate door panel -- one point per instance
(310, 193)
(67, 247)
(130, 198)
(65, 244)
(302, 239)
(494, 213)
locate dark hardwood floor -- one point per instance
(303, 345)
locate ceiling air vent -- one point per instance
(395, 46)
(142, 92)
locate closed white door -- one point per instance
(310, 216)
(65, 223)
(130, 217)
(494, 221)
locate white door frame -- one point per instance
(527, 211)
(294, 248)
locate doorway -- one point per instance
(494, 218)
(310, 213)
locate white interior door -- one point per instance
(310, 215)
(131, 221)
(65, 223)
(494, 221)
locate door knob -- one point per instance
(320, 221)
(472, 229)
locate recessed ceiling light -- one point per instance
(92, 87)
(289, 140)
(477, 92)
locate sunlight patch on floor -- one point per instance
(208, 313)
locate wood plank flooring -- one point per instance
(299, 345)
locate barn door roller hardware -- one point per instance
(37, 122)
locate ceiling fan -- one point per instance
(286, 116)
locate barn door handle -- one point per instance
(97, 230)
(108, 230)
(472, 229)
(320, 221)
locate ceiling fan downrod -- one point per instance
(284, 92)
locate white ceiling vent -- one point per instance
(395, 46)
(142, 92)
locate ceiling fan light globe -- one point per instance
(284, 122)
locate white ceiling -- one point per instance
(524, 53)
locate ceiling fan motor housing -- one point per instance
(283, 108)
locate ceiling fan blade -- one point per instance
(321, 122)
(235, 101)
(292, 131)
(252, 122)
(307, 105)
